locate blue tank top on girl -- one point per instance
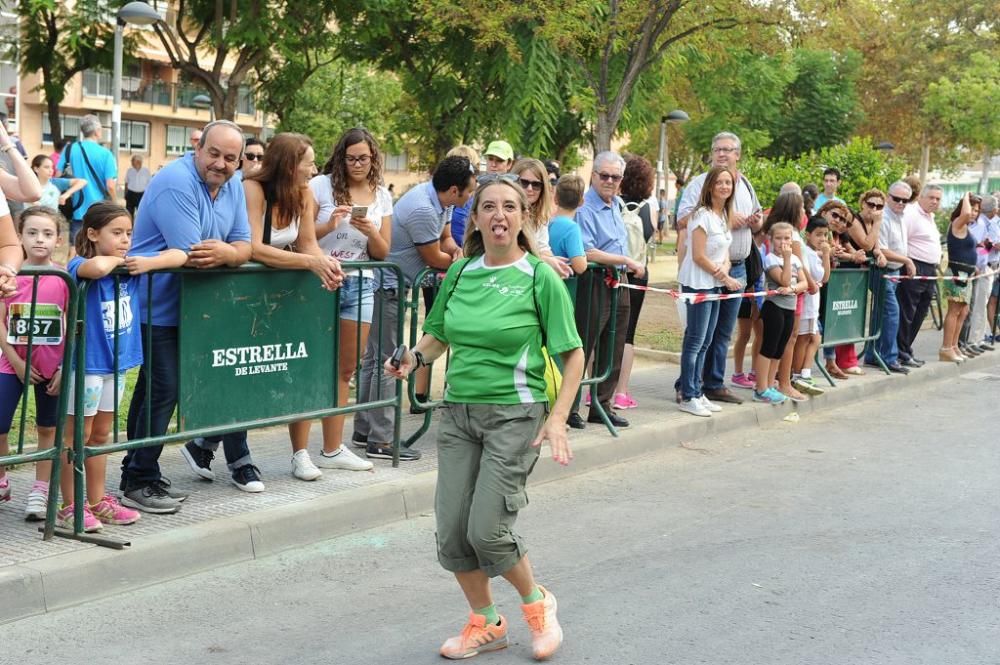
(99, 325)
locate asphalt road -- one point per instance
(867, 534)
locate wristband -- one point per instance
(419, 359)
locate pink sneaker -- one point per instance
(742, 380)
(631, 401)
(64, 519)
(586, 398)
(109, 511)
(5, 488)
(621, 401)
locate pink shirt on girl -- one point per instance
(45, 358)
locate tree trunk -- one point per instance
(603, 132)
(984, 180)
(925, 158)
(55, 122)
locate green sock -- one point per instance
(490, 612)
(533, 597)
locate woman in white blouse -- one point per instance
(705, 270)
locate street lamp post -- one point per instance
(204, 102)
(136, 13)
(663, 161)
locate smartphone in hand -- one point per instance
(359, 211)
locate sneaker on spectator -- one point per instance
(621, 401)
(476, 637)
(586, 398)
(247, 478)
(38, 499)
(742, 381)
(64, 519)
(546, 633)
(384, 451)
(151, 498)
(165, 483)
(708, 404)
(632, 403)
(359, 440)
(199, 459)
(777, 397)
(694, 407)
(109, 511)
(5, 488)
(303, 467)
(344, 459)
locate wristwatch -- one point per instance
(419, 358)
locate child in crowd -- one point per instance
(783, 273)
(39, 230)
(111, 310)
(564, 233)
(816, 256)
(748, 319)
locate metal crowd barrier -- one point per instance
(849, 315)
(273, 290)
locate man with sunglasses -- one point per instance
(253, 157)
(746, 219)
(892, 245)
(606, 242)
(923, 246)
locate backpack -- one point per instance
(636, 234)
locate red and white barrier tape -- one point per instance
(934, 278)
(694, 298)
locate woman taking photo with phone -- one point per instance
(354, 223)
(496, 309)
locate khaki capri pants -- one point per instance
(484, 458)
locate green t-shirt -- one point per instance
(491, 322)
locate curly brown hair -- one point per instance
(336, 166)
(638, 179)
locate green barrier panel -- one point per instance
(845, 314)
(849, 317)
(253, 346)
(247, 317)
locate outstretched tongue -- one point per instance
(498, 230)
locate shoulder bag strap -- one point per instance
(93, 173)
(268, 212)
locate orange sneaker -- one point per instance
(476, 638)
(546, 633)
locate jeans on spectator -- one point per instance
(702, 322)
(886, 344)
(718, 353)
(141, 466)
(915, 297)
(234, 446)
(378, 424)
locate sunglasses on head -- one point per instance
(253, 158)
(874, 206)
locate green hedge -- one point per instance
(862, 167)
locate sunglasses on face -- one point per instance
(899, 199)
(531, 184)
(837, 216)
(609, 177)
(253, 158)
(553, 181)
(874, 206)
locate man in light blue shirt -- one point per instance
(193, 204)
(984, 230)
(606, 242)
(418, 219)
(89, 161)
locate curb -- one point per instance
(69, 579)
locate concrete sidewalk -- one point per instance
(219, 525)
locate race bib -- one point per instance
(45, 329)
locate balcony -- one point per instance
(139, 94)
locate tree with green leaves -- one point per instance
(339, 96)
(206, 35)
(60, 40)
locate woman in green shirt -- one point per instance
(497, 308)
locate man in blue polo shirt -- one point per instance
(195, 205)
(606, 242)
(418, 219)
